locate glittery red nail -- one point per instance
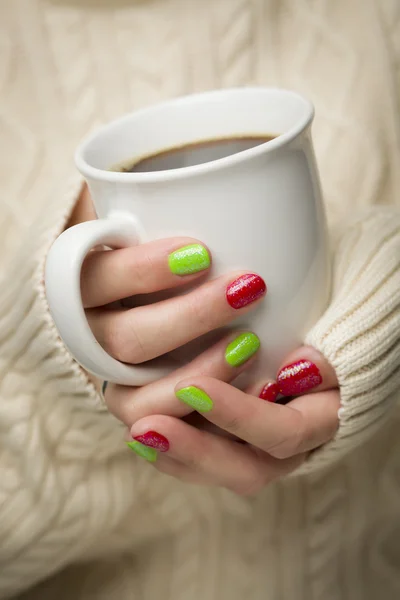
(154, 440)
(298, 377)
(269, 392)
(245, 289)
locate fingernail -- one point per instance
(241, 349)
(189, 259)
(143, 451)
(245, 290)
(196, 398)
(269, 392)
(298, 377)
(155, 440)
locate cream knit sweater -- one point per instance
(80, 517)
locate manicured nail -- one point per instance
(153, 440)
(245, 290)
(195, 398)
(269, 392)
(189, 259)
(241, 349)
(298, 377)
(144, 451)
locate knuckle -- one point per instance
(195, 464)
(255, 479)
(199, 460)
(111, 337)
(234, 424)
(137, 349)
(121, 340)
(293, 444)
(140, 270)
(201, 313)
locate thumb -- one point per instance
(305, 370)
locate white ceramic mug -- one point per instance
(258, 210)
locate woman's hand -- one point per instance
(277, 437)
(359, 335)
(145, 332)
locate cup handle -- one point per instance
(63, 291)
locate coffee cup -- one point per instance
(258, 208)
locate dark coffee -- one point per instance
(191, 154)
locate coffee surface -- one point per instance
(191, 154)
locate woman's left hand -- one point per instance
(274, 438)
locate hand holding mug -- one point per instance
(257, 208)
(274, 439)
(136, 335)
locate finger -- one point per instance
(108, 276)
(199, 422)
(320, 417)
(305, 370)
(131, 404)
(267, 390)
(279, 430)
(173, 468)
(143, 333)
(213, 459)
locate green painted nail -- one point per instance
(144, 451)
(195, 398)
(189, 259)
(240, 350)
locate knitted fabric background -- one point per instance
(71, 497)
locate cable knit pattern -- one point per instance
(79, 516)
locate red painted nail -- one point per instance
(298, 377)
(269, 392)
(154, 440)
(245, 289)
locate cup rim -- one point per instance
(90, 172)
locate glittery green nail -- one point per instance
(144, 451)
(241, 349)
(189, 259)
(195, 398)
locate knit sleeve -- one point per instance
(360, 332)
